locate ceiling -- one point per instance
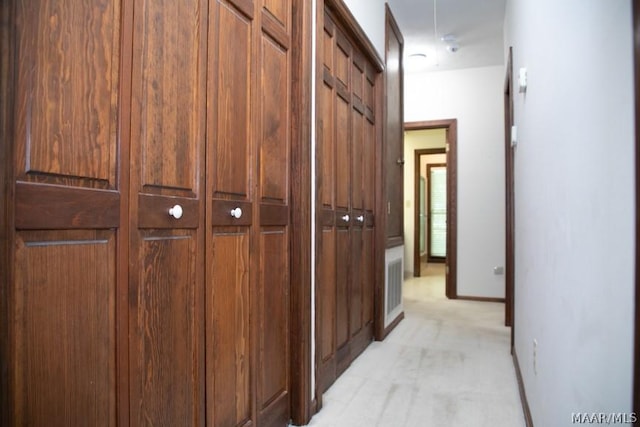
(476, 25)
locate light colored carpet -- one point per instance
(446, 364)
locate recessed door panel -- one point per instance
(355, 282)
(343, 260)
(231, 100)
(281, 10)
(275, 141)
(343, 153)
(67, 91)
(165, 378)
(65, 328)
(327, 146)
(368, 169)
(327, 290)
(228, 352)
(168, 93)
(368, 276)
(357, 162)
(342, 60)
(273, 291)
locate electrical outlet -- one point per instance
(535, 356)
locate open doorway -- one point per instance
(435, 144)
(429, 233)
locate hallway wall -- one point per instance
(574, 204)
(370, 16)
(474, 97)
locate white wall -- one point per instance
(370, 16)
(574, 190)
(474, 96)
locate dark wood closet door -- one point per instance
(343, 214)
(346, 199)
(247, 285)
(63, 297)
(363, 203)
(326, 230)
(166, 264)
(394, 134)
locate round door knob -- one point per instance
(360, 218)
(236, 213)
(176, 212)
(345, 218)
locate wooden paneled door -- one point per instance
(70, 218)
(347, 137)
(149, 257)
(248, 205)
(166, 273)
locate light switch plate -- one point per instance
(522, 80)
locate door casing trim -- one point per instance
(451, 127)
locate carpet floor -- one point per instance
(446, 364)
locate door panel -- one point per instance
(168, 53)
(67, 92)
(228, 351)
(394, 137)
(165, 372)
(231, 249)
(281, 10)
(274, 318)
(357, 196)
(368, 278)
(62, 301)
(65, 328)
(139, 128)
(250, 144)
(342, 285)
(346, 198)
(274, 148)
(327, 296)
(275, 141)
(167, 155)
(343, 155)
(231, 101)
(327, 147)
(355, 282)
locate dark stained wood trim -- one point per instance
(124, 236)
(344, 16)
(509, 198)
(636, 359)
(7, 61)
(382, 241)
(523, 395)
(479, 299)
(451, 125)
(393, 324)
(381, 216)
(44, 207)
(322, 25)
(416, 211)
(391, 26)
(301, 400)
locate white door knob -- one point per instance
(236, 213)
(176, 211)
(345, 218)
(360, 218)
